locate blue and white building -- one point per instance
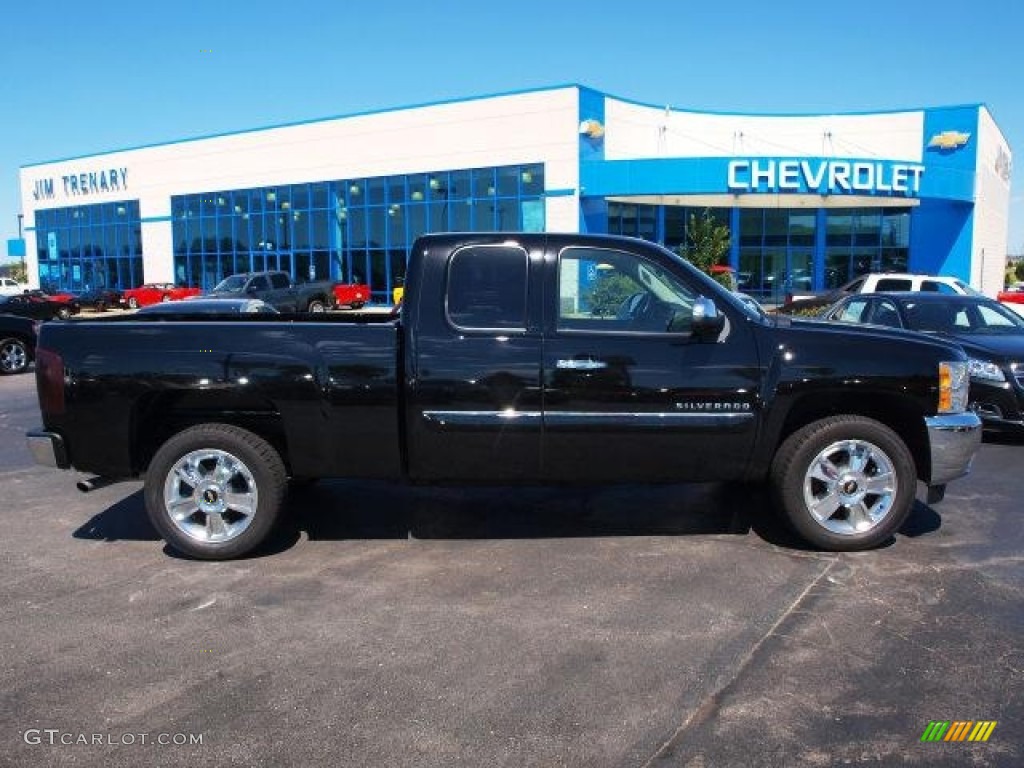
(810, 200)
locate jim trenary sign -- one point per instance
(825, 177)
(85, 183)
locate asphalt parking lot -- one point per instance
(515, 627)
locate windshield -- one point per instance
(964, 318)
(233, 284)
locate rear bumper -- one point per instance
(953, 440)
(47, 448)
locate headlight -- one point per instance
(953, 385)
(983, 370)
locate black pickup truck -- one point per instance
(277, 290)
(515, 358)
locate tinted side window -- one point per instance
(893, 284)
(279, 280)
(853, 312)
(937, 287)
(487, 287)
(608, 290)
(260, 283)
(885, 313)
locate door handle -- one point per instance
(581, 364)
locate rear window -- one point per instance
(934, 286)
(487, 287)
(893, 284)
(279, 280)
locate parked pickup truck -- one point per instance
(501, 368)
(277, 290)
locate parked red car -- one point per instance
(1013, 295)
(154, 293)
(353, 295)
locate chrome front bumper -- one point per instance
(47, 448)
(953, 439)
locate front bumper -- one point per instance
(953, 439)
(47, 448)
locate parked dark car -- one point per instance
(38, 307)
(99, 299)
(17, 343)
(206, 305)
(991, 334)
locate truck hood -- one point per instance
(884, 336)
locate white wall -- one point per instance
(634, 131)
(991, 207)
(505, 130)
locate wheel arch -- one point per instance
(903, 415)
(158, 418)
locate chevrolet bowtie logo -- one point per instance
(948, 140)
(592, 129)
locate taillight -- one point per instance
(50, 381)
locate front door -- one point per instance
(629, 393)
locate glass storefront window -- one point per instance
(93, 246)
(349, 229)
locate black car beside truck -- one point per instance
(17, 343)
(277, 290)
(505, 365)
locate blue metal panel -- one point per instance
(820, 244)
(591, 125)
(940, 238)
(734, 239)
(16, 247)
(594, 215)
(950, 153)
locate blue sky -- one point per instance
(86, 77)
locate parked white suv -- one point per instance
(876, 282)
(10, 287)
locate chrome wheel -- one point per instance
(850, 487)
(317, 307)
(133, 303)
(13, 356)
(210, 496)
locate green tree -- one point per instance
(707, 245)
(608, 292)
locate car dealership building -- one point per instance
(810, 200)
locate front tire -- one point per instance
(844, 483)
(63, 313)
(13, 356)
(133, 303)
(215, 491)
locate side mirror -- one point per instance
(707, 320)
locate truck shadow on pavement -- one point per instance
(358, 510)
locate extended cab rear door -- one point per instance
(473, 362)
(630, 394)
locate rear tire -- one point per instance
(215, 491)
(13, 356)
(133, 303)
(63, 313)
(316, 306)
(844, 483)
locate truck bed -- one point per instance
(327, 387)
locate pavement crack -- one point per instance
(706, 708)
